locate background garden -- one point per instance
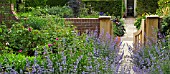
(41, 41)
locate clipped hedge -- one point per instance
(109, 7)
(57, 2)
(146, 6)
(35, 3)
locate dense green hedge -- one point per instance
(34, 3)
(146, 6)
(57, 2)
(110, 7)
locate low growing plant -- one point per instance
(152, 58)
(85, 54)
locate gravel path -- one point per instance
(127, 40)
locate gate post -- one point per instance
(152, 22)
(105, 26)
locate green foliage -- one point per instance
(166, 25)
(164, 7)
(16, 61)
(56, 2)
(7, 1)
(138, 22)
(118, 28)
(23, 36)
(146, 6)
(68, 44)
(63, 12)
(84, 13)
(35, 3)
(37, 22)
(60, 11)
(19, 38)
(111, 7)
(123, 9)
(163, 3)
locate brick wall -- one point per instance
(85, 24)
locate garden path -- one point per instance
(127, 40)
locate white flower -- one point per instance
(7, 43)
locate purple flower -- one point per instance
(56, 39)
(134, 68)
(49, 45)
(29, 29)
(20, 50)
(101, 13)
(114, 20)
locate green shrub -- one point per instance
(166, 25)
(65, 49)
(35, 3)
(37, 22)
(60, 11)
(164, 7)
(110, 7)
(22, 36)
(16, 61)
(84, 13)
(57, 2)
(138, 22)
(118, 27)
